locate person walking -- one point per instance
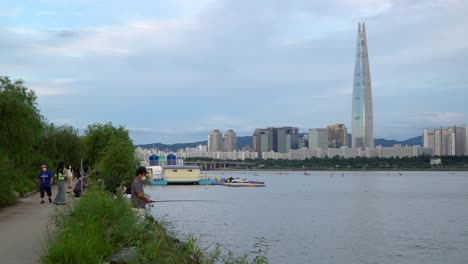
(45, 177)
(70, 176)
(60, 198)
(138, 197)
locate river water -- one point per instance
(328, 217)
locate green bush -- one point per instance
(7, 196)
(96, 227)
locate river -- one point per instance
(328, 217)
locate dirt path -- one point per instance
(24, 229)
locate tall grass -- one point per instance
(100, 225)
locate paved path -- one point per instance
(24, 229)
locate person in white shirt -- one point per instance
(70, 176)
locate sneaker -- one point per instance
(42, 201)
(50, 200)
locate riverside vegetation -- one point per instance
(100, 223)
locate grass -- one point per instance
(100, 225)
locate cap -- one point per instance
(43, 166)
(141, 170)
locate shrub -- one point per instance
(7, 196)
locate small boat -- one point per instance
(244, 184)
(307, 173)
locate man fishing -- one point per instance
(44, 183)
(138, 197)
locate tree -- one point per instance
(117, 166)
(21, 123)
(97, 139)
(62, 143)
(111, 149)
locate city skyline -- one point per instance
(290, 66)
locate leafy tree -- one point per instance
(112, 150)
(98, 137)
(62, 143)
(117, 166)
(21, 123)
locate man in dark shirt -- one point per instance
(139, 200)
(44, 183)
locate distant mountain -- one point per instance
(241, 142)
(247, 140)
(390, 142)
(172, 147)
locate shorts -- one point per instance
(48, 190)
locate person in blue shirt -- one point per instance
(44, 183)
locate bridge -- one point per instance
(212, 165)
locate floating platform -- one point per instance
(158, 182)
(207, 182)
(200, 182)
(242, 184)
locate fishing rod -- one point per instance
(171, 201)
(175, 201)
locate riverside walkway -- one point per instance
(24, 229)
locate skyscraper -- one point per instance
(287, 139)
(362, 114)
(337, 136)
(260, 141)
(215, 141)
(230, 141)
(318, 138)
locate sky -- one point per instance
(172, 71)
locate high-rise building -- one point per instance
(215, 141)
(460, 140)
(260, 141)
(273, 139)
(318, 138)
(428, 139)
(337, 136)
(466, 141)
(230, 141)
(304, 142)
(362, 114)
(447, 141)
(287, 139)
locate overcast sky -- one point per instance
(171, 71)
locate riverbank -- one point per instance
(100, 225)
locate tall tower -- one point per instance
(362, 116)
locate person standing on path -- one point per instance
(60, 198)
(70, 176)
(138, 197)
(44, 183)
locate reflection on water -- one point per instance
(328, 217)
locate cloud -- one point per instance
(7, 13)
(443, 119)
(242, 64)
(54, 87)
(47, 13)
